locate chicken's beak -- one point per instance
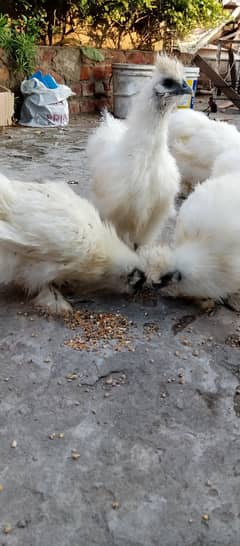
(183, 89)
(167, 279)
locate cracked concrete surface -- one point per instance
(159, 443)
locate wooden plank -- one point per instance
(229, 37)
(232, 66)
(217, 80)
(218, 57)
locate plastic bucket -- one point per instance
(128, 79)
(191, 74)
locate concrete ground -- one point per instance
(134, 443)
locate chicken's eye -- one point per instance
(169, 82)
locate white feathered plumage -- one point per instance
(197, 142)
(48, 234)
(135, 178)
(226, 163)
(205, 259)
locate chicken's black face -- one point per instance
(169, 87)
(136, 279)
(169, 278)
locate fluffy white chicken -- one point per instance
(228, 162)
(49, 235)
(205, 259)
(135, 178)
(196, 142)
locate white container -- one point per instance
(129, 78)
(191, 74)
(6, 106)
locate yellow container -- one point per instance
(191, 74)
(128, 79)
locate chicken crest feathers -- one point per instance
(169, 66)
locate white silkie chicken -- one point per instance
(196, 142)
(135, 178)
(49, 235)
(205, 259)
(228, 162)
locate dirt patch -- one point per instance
(233, 340)
(150, 329)
(210, 399)
(236, 401)
(183, 323)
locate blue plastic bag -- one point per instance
(47, 79)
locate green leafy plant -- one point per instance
(92, 53)
(144, 22)
(5, 32)
(18, 38)
(23, 52)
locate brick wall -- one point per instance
(89, 80)
(92, 82)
